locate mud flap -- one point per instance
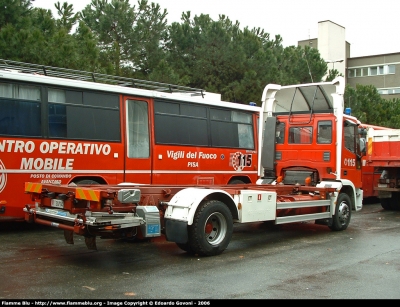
(69, 236)
(91, 242)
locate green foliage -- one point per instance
(220, 57)
(303, 65)
(129, 36)
(332, 74)
(37, 37)
(367, 105)
(67, 16)
(14, 12)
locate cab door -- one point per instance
(138, 168)
(351, 154)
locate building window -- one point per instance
(371, 71)
(389, 91)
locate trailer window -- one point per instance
(239, 124)
(20, 110)
(171, 122)
(68, 107)
(209, 126)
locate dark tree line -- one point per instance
(116, 37)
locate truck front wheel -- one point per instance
(342, 216)
(212, 229)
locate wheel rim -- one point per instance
(215, 228)
(343, 213)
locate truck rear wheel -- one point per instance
(386, 203)
(185, 247)
(212, 229)
(86, 182)
(236, 181)
(392, 203)
(396, 201)
(342, 216)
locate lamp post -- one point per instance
(333, 62)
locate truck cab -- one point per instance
(315, 143)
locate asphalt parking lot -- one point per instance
(292, 261)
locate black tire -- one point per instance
(396, 201)
(386, 203)
(236, 181)
(342, 216)
(86, 182)
(212, 229)
(185, 247)
(392, 203)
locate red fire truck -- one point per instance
(304, 137)
(383, 155)
(370, 174)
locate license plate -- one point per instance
(56, 212)
(58, 203)
(153, 229)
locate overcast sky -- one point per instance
(371, 27)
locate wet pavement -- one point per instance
(292, 261)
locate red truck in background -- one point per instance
(370, 174)
(383, 156)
